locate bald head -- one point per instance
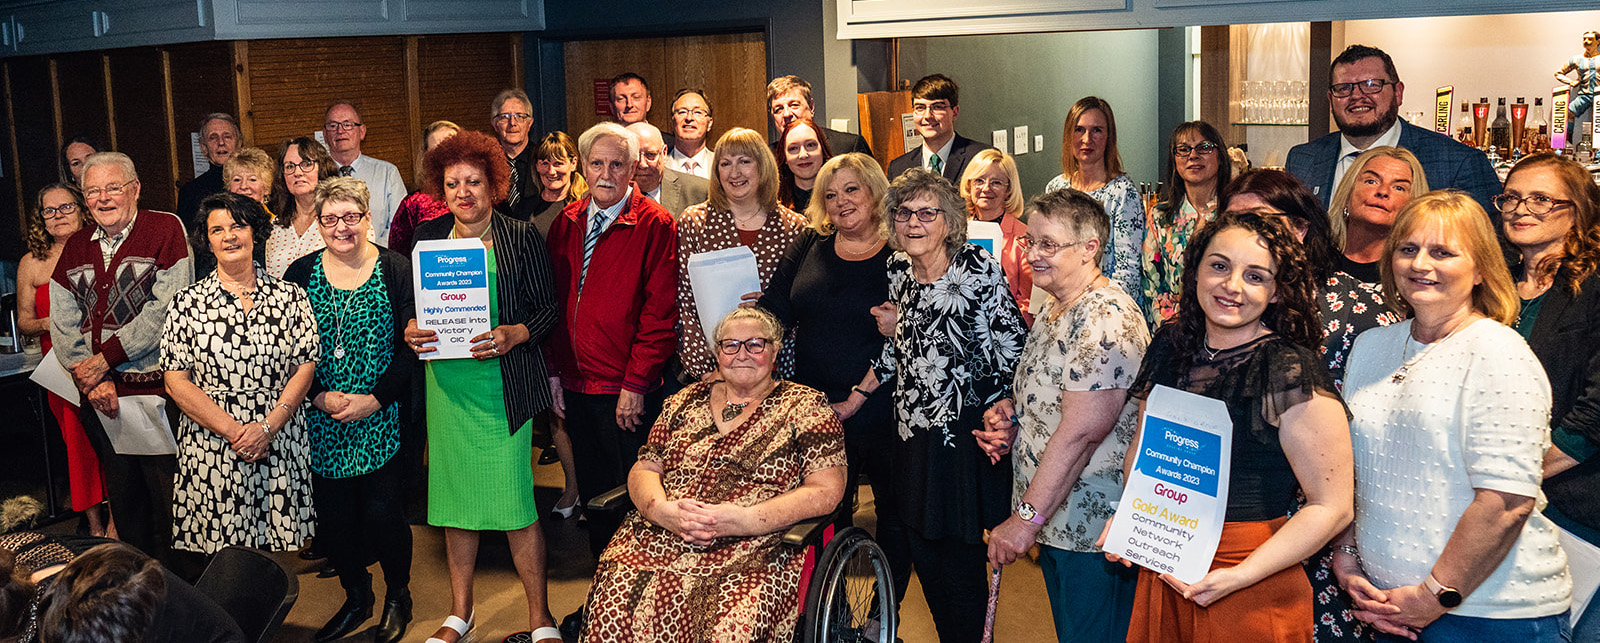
(651, 151)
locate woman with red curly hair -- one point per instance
(480, 472)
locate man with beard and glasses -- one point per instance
(1365, 95)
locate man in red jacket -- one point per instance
(616, 272)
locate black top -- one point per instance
(1367, 272)
(195, 191)
(528, 199)
(1259, 380)
(1566, 338)
(526, 295)
(826, 301)
(543, 213)
(396, 274)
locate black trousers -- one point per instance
(603, 452)
(138, 488)
(361, 518)
(954, 581)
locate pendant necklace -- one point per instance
(732, 409)
(338, 348)
(1405, 366)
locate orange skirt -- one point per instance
(1278, 608)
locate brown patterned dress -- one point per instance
(653, 586)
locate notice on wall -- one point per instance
(197, 155)
(452, 293)
(602, 97)
(908, 132)
(1171, 513)
(1558, 117)
(1443, 96)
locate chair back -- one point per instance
(251, 587)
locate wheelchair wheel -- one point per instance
(852, 597)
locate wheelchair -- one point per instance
(845, 589)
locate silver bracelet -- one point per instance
(1351, 549)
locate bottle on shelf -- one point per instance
(1538, 127)
(1519, 127)
(1480, 123)
(1500, 129)
(1464, 125)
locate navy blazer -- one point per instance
(961, 153)
(1447, 162)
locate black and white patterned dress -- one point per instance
(242, 360)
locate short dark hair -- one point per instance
(16, 596)
(244, 210)
(625, 77)
(1356, 53)
(109, 594)
(64, 172)
(935, 87)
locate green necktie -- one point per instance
(935, 164)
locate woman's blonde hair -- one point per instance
(1347, 185)
(740, 141)
(253, 159)
(770, 326)
(1113, 159)
(342, 189)
(872, 179)
(1467, 226)
(418, 172)
(980, 164)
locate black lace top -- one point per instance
(1259, 380)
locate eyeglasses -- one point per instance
(998, 184)
(503, 118)
(925, 215)
(61, 212)
(696, 112)
(1369, 86)
(340, 126)
(1538, 204)
(756, 345)
(1204, 149)
(113, 190)
(1045, 247)
(303, 166)
(923, 108)
(330, 220)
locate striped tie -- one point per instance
(588, 246)
(514, 194)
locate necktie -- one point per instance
(515, 193)
(347, 171)
(588, 246)
(935, 164)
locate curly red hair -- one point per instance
(473, 148)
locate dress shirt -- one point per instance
(387, 190)
(944, 153)
(1348, 152)
(699, 164)
(110, 242)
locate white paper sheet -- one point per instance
(719, 278)
(986, 234)
(140, 427)
(451, 279)
(54, 377)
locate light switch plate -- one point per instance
(1020, 134)
(1001, 140)
(1038, 142)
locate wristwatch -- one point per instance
(1448, 597)
(1026, 512)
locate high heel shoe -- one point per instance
(567, 511)
(396, 617)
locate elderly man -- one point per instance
(617, 250)
(630, 98)
(1365, 96)
(108, 298)
(219, 139)
(789, 98)
(343, 130)
(691, 127)
(935, 105)
(511, 113)
(674, 190)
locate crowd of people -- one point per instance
(1408, 350)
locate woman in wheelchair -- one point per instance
(730, 464)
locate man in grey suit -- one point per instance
(674, 190)
(935, 104)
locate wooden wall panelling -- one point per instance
(33, 118)
(81, 85)
(731, 68)
(413, 111)
(11, 246)
(202, 82)
(293, 81)
(1217, 82)
(459, 75)
(143, 125)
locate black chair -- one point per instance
(252, 587)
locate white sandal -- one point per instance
(463, 629)
(547, 633)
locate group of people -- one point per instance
(1383, 320)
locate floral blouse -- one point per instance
(702, 228)
(1120, 261)
(1097, 344)
(956, 343)
(1162, 261)
(1349, 307)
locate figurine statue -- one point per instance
(1584, 85)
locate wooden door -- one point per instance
(731, 68)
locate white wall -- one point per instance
(1507, 55)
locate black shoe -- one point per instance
(572, 626)
(312, 551)
(356, 610)
(396, 617)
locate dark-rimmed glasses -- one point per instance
(1538, 204)
(303, 166)
(925, 215)
(59, 212)
(1204, 149)
(755, 345)
(1369, 87)
(350, 218)
(338, 126)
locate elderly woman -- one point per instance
(952, 355)
(1197, 170)
(729, 466)
(305, 164)
(1450, 415)
(249, 173)
(1071, 386)
(742, 209)
(1090, 163)
(69, 166)
(555, 170)
(419, 207)
(480, 470)
(1246, 333)
(361, 296)
(993, 193)
(1549, 212)
(58, 212)
(824, 290)
(802, 149)
(238, 363)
